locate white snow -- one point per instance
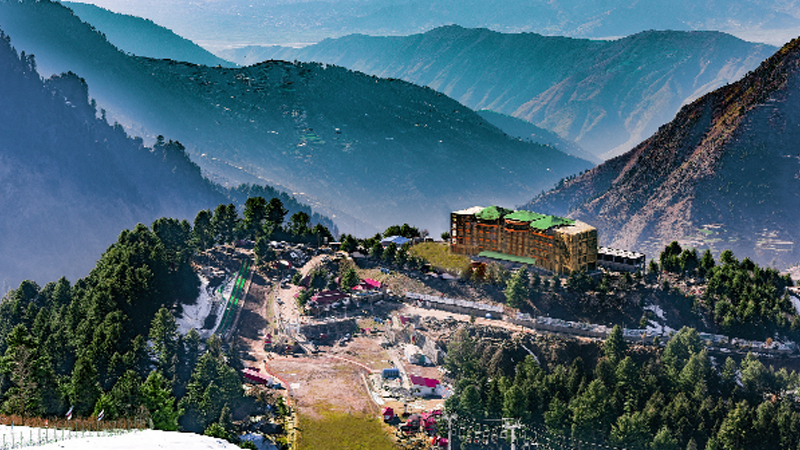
(194, 316)
(259, 440)
(795, 302)
(133, 440)
(656, 310)
(658, 329)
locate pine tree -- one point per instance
(517, 290)
(157, 398)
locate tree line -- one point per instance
(739, 296)
(109, 342)
(678, 397)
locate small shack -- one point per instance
(391, 373)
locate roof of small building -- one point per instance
(618, 252)
(422, 381)
(367, 284)
(398, 240)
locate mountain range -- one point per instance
(724, 174)
(218, 24)
(607, 96)
(70, 182)
(142, 37)
(369, 151)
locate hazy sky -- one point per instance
(233, 23)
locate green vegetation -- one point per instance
(440, 257)
(518, 288)
(110, 342)
(343, 431)
(741, 297)
(648, 399)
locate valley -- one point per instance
(277, 248)
(605, 95)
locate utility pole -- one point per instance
(449, 417)
(513, 426)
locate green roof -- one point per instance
(537, 221)
(491, 213)
(548, 222)
(505, 257)
(524, 216)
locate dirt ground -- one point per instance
(333, 381)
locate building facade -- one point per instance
(553, 243)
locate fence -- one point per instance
(37, 432)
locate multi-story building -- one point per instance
(554, 243)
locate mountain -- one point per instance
(69, 181)
(521, 129)
(605, 95)
(367, 150)
(724, 174)
(142, 37)
(227, 23)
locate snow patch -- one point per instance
(128, 440)
(795, 302)
(261, 442)
(656, 310)
(209, 301)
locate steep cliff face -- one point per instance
(725, 173)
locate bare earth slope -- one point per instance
(725, 173)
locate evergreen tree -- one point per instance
(349, 280)
(157, 398)
(615, 346)
(124, 399)
(224, 223)
(255, 215)
(83, 389)
(276, 213)
(664, 440)
(164, 340)
(517, 290)
(298, 224)
(591, 413)
(203, 231)
(26, 369)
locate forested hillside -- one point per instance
(588, 395)
(142, 37)
(370, 151)
(605, 95)
(109, 342)
(69, 181)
